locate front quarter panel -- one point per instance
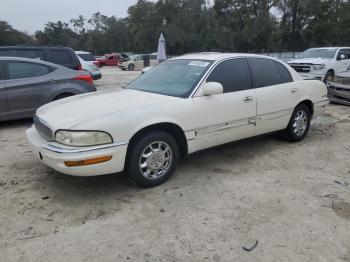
(125, 124)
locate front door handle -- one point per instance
(294, 90)
(248, 99)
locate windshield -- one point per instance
(173, 78)
(133, 57)
(325, 53)
(87, 57)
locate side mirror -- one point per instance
(341, 57)
(212, 88)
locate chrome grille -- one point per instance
(44, 131)
(301, 68)
(342, 80)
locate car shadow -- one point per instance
(16, 123)
(119, 185)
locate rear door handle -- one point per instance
(248, 99)
(294, 90)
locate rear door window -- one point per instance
(6, 53)
(27, 53)
(284, 72)
(61, 57)
(18, 70)
(233, 74)
(264, 72)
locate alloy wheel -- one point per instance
(155, 160)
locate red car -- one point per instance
(109, 60)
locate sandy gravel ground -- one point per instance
(294, 199)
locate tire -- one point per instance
(61, 96)
(328, 78)
(163, 158)
(299, 124)
(131, 67)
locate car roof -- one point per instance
(33, 47)
(331, 47)
(22, 59)
(220, 56)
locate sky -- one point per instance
(32, 15)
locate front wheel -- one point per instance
(299, 124)
(153, 159)
(328, 78)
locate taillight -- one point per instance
(86, 78)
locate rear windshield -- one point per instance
(87, 57)
(61, 57)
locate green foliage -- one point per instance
(201, 25)
(10, 36)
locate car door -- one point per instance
(276, 93)
(138, 62)
(27, 86)
(3, 98)
(342, 61)
(110, 61)
(229, 116)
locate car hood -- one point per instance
(69, 112)
(315, 61)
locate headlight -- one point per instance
(318, 67)
(82, 138)
(348, 68)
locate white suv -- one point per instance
(89, 63)
(322, 63)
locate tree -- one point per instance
(58, 33)
(10, 36)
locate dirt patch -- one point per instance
(342, 209)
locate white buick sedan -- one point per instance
(181, 106)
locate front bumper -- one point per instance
(312, 76)
(339, 93)
(55, 155)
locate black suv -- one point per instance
(63, 56)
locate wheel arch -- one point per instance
(173, 129)
(309, 104)
(58, 94)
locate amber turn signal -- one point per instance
(88, 162)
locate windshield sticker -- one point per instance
(198, 63)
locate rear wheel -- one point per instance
(131, 67)
(153, 159)
(299, 124)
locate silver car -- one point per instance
(339, 89)
(26, 84)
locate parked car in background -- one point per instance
(322, 63)
(63, 56)
(139, 62)
(339, 88)
(178, 107)
(90, 64)
(26, 84)
(109, 60)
